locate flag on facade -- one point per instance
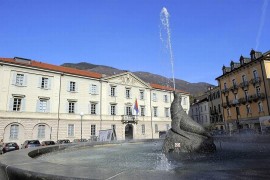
(136, 107)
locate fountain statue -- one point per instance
(185, 134)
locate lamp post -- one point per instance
(81, 114)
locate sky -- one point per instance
(125, 34)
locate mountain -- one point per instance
(193, 88)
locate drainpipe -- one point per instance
(100, 111)
(151, 112)
(59, 100)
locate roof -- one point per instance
(158, 86)
(36, 64)
(258, 56)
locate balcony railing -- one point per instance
(243, 100)
(129, 119)
(257, 97)
(234, 102)
(234, 88)
(225, 90)
(244, 84)
(255, 81)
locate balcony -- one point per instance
(129, 119)
(227, 104)
(235, 102)
(244, 84)
(224, 105)
(257, 97)
(255, 81)
(242, 100)
(250, 98)
(234, 88)
(213, 112)
(225, 90)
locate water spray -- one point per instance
(164, 18)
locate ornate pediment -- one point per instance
(127, 79)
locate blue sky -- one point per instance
(205, 34)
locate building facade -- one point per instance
(245, 88)
(199, 111)
(215, 108)
(46, 102)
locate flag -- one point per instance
(136, 108)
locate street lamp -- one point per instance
(81, 114)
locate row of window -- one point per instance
(244, 79)
(214, 110)
(43, 105)
(72, 86)
(248, 109)
(258, 93)
(14, 130)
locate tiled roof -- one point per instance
(158, 86)
(51, 67)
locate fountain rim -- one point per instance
(23, 165)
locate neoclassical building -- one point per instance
(47, 102)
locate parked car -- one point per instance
(79, 140)
(63, 141)
(30, 143)
(10, 146)
(47, 143)
(1, 148)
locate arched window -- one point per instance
(14, 131)
(41, 131)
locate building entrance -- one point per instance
(128, 132)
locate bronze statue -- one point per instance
(185, 134)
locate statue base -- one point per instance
(188, 142)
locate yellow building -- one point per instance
(245, 91)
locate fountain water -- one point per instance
(166, 32)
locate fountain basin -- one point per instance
(234, 158)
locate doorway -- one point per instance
(128, 132)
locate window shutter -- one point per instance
(68, 86)
(90, 89)
(130, 93)
(48, 106)
(97, 108)
(109, 109)
(25, 80)
(67, 107)
(164, 98)
(14, 78)
(116, 110)
(23, 105)
(11, 101)
(89, 107)
(37, 108)
(145, 112)
(39, 81)
(76, 86)
(97, 89)
(116, 91)
(49, 83)
(109, 91)
(76, 107)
